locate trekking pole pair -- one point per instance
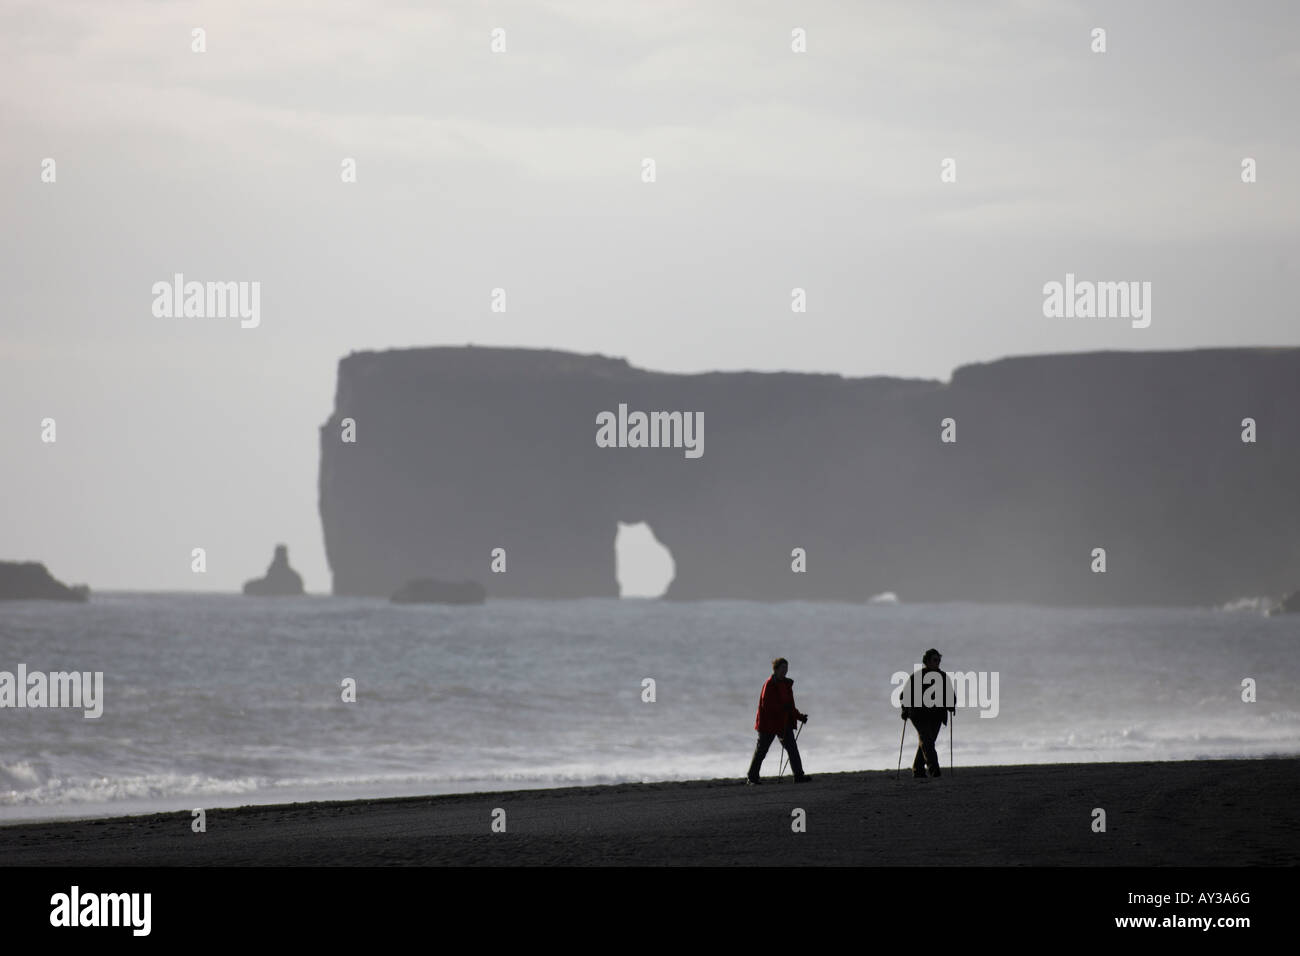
(952, 721)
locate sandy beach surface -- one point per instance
(1190, 813)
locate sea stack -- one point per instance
(280, 580)
(29, 580)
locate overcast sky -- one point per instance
(523, 170)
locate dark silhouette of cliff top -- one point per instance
(487, 365)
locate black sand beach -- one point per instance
(1192, 813)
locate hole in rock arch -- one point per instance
(644, 567)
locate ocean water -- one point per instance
(221, 700)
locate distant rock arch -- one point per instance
(643, 565)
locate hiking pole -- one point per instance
(952, 722)
(785, 753)
(899, 771)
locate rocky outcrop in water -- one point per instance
(429, 591)
(28, 580)
(461, 451)
(280, 580)
(1288, 605)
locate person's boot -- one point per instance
(802, 778)
(753, 781)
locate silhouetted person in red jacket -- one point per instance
(776, 718)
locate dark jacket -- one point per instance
(935, 705)
(776, 710)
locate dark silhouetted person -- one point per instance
(776, 718)
(928, 698)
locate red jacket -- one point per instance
(776, 710)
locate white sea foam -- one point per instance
(1250, 605)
